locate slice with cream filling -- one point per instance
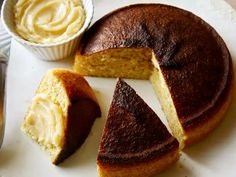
(44, 123)
(61, 113)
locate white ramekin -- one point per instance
(49, 52)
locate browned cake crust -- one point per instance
(81, 116)
(192, 57)
(200, 126)
(81, 113)
(80, 110)
(133, 134)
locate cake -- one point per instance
(135, 143)
(61, 114)
(185, 59)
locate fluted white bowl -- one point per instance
(49, 52)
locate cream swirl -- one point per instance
(45, 121)
(48, 21)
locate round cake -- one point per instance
(185, 59)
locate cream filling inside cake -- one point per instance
(162, 91)
(44, 124)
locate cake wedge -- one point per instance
(134, 142)
(61, 114)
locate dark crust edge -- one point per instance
(70, 145)
(229, 83)
(83, 40)
(224, 96)
(132, 161)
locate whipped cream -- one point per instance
(48, 21)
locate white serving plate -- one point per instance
(20, 157)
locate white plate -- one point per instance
(20, 157)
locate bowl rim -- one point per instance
(87, 22)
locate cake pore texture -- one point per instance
(123, 63)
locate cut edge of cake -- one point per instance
(185, 135)
(130, 62)
(162, 91)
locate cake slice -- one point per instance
(135, 143)
(61, 114)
